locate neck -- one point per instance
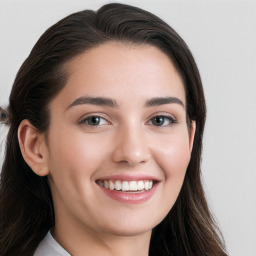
(87, 242)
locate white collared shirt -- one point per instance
(50, 247)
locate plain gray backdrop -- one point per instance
(222, 38)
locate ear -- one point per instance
(192, 135)
(33, 148)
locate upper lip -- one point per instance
(129, 177)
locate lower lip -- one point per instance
(130, 198)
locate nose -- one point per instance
(131, 147)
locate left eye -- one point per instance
(94, 121)
(162, 121)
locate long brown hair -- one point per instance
(27, 211)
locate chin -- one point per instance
(129, 231)
(131, 227)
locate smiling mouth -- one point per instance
(127, 186)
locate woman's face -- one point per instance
(118, 143)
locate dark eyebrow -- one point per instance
(161, 101)
(102, 101)
(99, 101)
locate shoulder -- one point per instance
(50, 247)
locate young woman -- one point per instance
(103, 153)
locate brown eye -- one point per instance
(162, 121)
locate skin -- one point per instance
(126, 141)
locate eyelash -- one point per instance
(85, 120)
(171, 120)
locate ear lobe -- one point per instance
(192, 135)
(33, 148)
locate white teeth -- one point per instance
(140, 185)
(118, 185)
(146, 185)
(111, 185)
(125, 186)
(133, 185)
(105, 184)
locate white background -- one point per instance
(222, 37)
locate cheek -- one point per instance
(73, 161)
(174, 151)
(75, 156)
(173, 156)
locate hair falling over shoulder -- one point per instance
(27, 212)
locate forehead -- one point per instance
(121, 71)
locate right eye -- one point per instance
(94, 121)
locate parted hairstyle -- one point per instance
(27, 211)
